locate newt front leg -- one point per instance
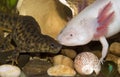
(14, 56)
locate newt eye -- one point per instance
(52, 45)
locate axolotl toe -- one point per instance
(95, 23)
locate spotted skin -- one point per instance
(25, 32)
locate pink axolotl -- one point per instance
(96, 22)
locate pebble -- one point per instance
(9, 71)
(118, 65)
(111, 57)
(69, 53)
(61, 70)
(36, 66)
(97, 53)
(115, 48)
(86, 63)
(62, 60)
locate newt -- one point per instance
(25, 32)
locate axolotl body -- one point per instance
(95, 23)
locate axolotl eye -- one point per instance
(71, 35)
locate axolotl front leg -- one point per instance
(104, 19)
(104, 48)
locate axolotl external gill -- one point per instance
(96, 22)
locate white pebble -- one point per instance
(86, 63)
(9, 71)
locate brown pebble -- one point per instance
(69, 52)
(61, 70)
(64, 60)
(115, 48)
(112, 57)
(36, 66)
(118, 65)
(97, 53)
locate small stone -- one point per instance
(64, 60)
(36, 66)
(97, 53)
(115, 48)
(69, 53)
(9, 71)
(118, 65)
(61, 70)
(86, 63)
(111, 57)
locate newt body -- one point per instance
(26, 34)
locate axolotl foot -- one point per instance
(101, 60)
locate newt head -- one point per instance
(49, 45)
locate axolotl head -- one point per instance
(77, 32)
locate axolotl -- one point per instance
(96, 22)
